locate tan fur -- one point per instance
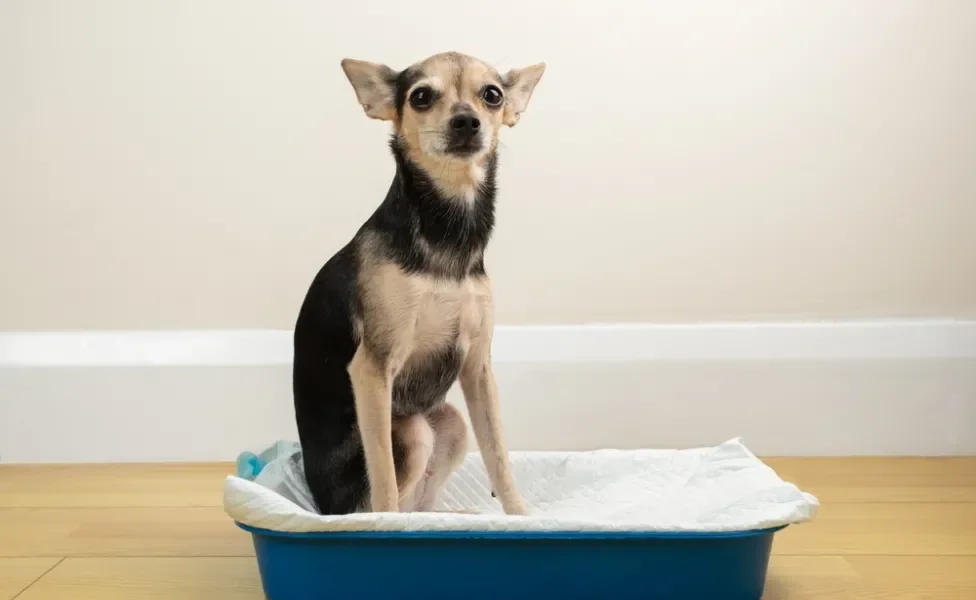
(373, 94)
(407, 317)
(459, 79)
(373, 387)
(520, 83)
(411, 316)
(450, 444)
(417, 437)
(481, 396)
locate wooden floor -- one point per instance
(889, 529)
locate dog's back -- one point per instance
(324, 405)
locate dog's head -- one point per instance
(446, 111)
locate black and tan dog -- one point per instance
(405, 309)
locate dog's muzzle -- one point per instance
(464, 134)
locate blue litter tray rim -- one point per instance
(510, 535)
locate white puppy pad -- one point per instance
(720, 489)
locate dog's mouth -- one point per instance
(463, 146)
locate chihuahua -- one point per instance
(405, 309)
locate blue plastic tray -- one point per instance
(472, 565)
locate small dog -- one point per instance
(405, 309)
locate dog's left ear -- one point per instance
(519, 84)
(374, 85)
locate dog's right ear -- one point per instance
(374, 85)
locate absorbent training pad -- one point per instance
(724, 488)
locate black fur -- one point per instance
(413, 215)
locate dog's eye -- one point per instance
(421, 98)
(492, 96)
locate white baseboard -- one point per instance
(820, 389)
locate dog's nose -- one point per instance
(465, 123)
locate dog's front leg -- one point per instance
(481, 397)
(372, 387)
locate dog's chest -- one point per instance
(446, 313)
(437, 321)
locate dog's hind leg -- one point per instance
(450, 447)
(413, 446)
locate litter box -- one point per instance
(512, 565)
(695, 524)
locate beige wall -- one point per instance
(191, 163)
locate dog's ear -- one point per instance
(374, 85)
(519, 84)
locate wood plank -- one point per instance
(801, 577)
(805, 590)
(68, 486)
(957, 571)
(959, 468)
(830, 494)
(149, 578)
(34, 532)
(887, 480)
(884, 529)
(871, 578)
(18, 573)
(812, 566)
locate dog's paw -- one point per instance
(516, 507)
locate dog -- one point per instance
(405, 309)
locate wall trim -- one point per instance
(597, 342)
(875, 388)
